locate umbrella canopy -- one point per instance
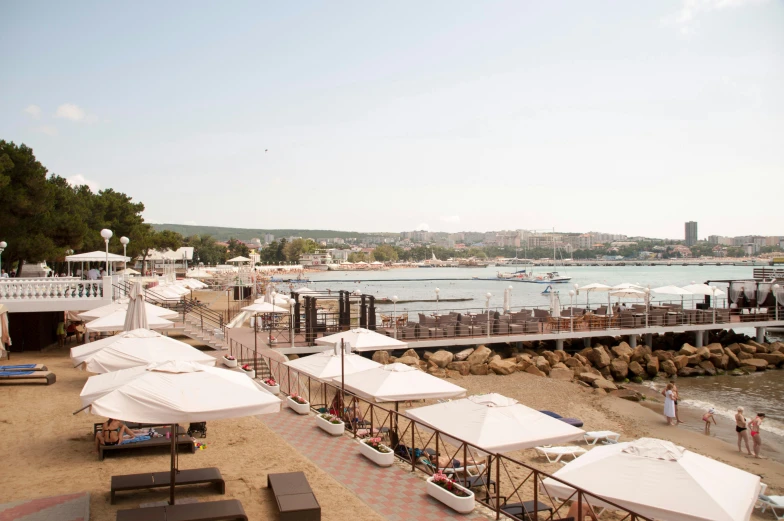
(116, 322)
(304, 290)
(122, 305)
(660, 480)
(594, 287)
(671, 290)
(199, 274)
(703, 289)
(264, 307)
(132, 349)
(362, 339)
(239, 259)
(191, 284)
(326, 365)
(626, 285)
(128, 271)
(96, 256)
(136, 314)
(174, 289)
(627, 292)
(398, 382)
(495, 423)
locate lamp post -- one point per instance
(487, 305)
(437, 292)
(571, 308)
(577, 292)
(125, 240)
(394, 312)
(106, 234)
(648, 305)
(775, 288)
(510, 288)
(3, 246)
(291, 320)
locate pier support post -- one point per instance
(559, 344)
(760, 334)
(587, 341)
(649, 340)
(632, 340)
(698, 338)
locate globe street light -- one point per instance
(3, 246)
(125, 241)
(437, 292)
(106, 234)
(394, 312)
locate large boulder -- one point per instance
(687, 350)
(703, 352)
(708, 366)
(479, 369)
(694, 359)
(453, 374)
(687, 371)
(551, 358)
(607, 385)
(757, 363)
(533, 370)
(748, 348)
(663, 355)
(733, 362)
(507, 366)
(382, 357)
(408, 360)
(542, 364)
(479, 356)
(582, 359)
(598, 357)
(573, 362)
(588, 378)
(735, 348)
(622, 350)
(743, 355)
(774, 358)
(681, 361)
(669, 368)
(715, 348)
(462, 355)
(412, 353)
(561, 373)
(652, 368)
(619, 369)
(441, 358)
(641, 353)
(635, 369)
(436, 371)
(626, 394)
(777, 346)
(461, 367)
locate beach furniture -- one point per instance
(471, 476)
(44, 377)
(576, 422)
(604, 436)
(226, 510)
(294, 497)
(23, 367)
(524, 510)
(206, 476)
(184, 443)
(775, 503)
(554, 454)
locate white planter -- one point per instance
(299, 408)
(335, 429)
(382, 459)
(274, 389)
(229, 363)
(463, 505)
(250, 372)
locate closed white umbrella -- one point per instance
(659, 480)
(495, 423)
(362, 339)
(399, 382)
(136, 314)
(135, 348)
(264, 307)
(704, 289)
(122, 305)
(555, 304)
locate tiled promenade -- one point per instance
(395, 494)
(72, 507)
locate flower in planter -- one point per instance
(331, 418)
(376, 444)
(229, 357)
(270, 381)
(247, 367)
(299, 399)
(440, 479)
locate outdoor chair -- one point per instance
(409, 332)
(541, 314)
(602, 310)
(524, 509)
(515, 328)
(462, 329)
(554, 454)
(531, 326)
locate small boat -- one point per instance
(548, 290)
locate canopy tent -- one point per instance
(264, 307)
(399, 382)
(495, 423)
(595, 287)
(176, 392)
(658, 479)
(136, 314)
(704, 289)
(115, 322)
(239, 259)
(96, 256)
(326, 366)
(132, 349)
(362, 339)
(276, 298)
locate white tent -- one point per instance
(264, 307)
(239, 259)
(115, 322)
(660, 480)
(326, 366)
(362, 339)
(96, 256)
(132, 349)
(399, 382)
(704, 289)
(495, 423)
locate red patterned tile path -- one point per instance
(71, 507)
(395, 494)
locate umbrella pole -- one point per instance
(342, 373)
(255, 341)
(173, 460)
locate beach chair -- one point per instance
(43, 377)
(554, 454)
(23, 367)
(574, 422)
(604, 436)
(471, 476)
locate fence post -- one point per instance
(497, 485)
(536, 495)
(413, 442)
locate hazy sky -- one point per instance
(619, 116)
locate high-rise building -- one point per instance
(691, 233)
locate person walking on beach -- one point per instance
(740, 428)
(669, 404)
(754, 427)
(674, 399)
(707, 418)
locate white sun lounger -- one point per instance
(554, 454)
(604, 436)
(776, 503)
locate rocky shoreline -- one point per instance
(602, 366)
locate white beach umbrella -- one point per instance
(660, 480)
(672, 290)
(132, 349)
(239, 259)
(191, 284)
(122, 305)
(176, 392)
(495, 423)
(399, 382)
(590, 288)
(326, 366)
(704, 289)
(362, 339)
(628, 293)
(555, 304)
(199, 274)
(264, 307)
(128, 271)
(136, 314)
(304, 291)
(626, 285)
(116, 322)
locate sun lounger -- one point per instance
(206, 476)
(604, 436)
(471, 476)
(23, 376)
(184, 443)
(226, 510)
(294, 497)
(775, 503)
(24, 367)
(575, 422)
(525, 509)
(554, 454)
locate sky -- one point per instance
(614, 116)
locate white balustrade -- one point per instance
(50, 288)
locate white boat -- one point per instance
(552, 277)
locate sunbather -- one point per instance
(111, 433)
(588, 512)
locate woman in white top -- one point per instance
(669, 404)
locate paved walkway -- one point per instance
(395, 494)
(71, 507)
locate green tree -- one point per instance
(144, 239)
(296, 248)
(237, 248)
(206, 249)
(357, 256)
(385, 253)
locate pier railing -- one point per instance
(505, 483)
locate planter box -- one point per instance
(274, 389)
(250, 372)
(382, 459)
(299, 408)
(463, 505)
(335, 429)
(229, 363)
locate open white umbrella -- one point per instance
(326, 366)
(136, 314)
(239, 259)
(672, 290)
(590, 288)
(191, 284)
(264, 307)
(128, 271)
(628, 293)
(133, 349)
(495, 423)
(626, 285)
(116, 322)
(122, 305)
(362, 339)
(399, 382)
(304, 291)
(658, 479)
(704, 289)
(176, 392)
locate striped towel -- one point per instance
(137, 439)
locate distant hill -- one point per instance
(246, 234)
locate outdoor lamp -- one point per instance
(106, 234)
(775, 288)
(124, 241)
(291, 321)
(3, 245)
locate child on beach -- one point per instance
(707, 418)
